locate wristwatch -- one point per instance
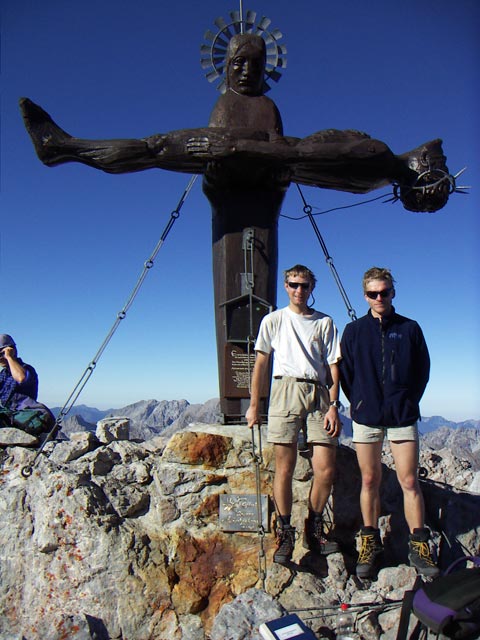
(335, 403)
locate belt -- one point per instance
(298, 380)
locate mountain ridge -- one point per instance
(173, 409)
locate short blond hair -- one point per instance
(378, 273)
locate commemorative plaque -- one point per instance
(239, 512)
(238, 369)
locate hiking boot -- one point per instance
(285, 544)
(316, 540)
(419, 554)
(371, 552)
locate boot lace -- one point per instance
(422, 550)
(315, 530)
(367, 550)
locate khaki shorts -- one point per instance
(294, 405)
(364, 434)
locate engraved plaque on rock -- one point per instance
(239, 512)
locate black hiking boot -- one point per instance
(371, 553)
(419, 554)
(285, 544)
(316, 541)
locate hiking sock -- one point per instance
(315, 515)
(283, 521)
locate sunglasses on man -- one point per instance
(373, 295)
(303, 285)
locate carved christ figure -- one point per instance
(248, 164)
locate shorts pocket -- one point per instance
(285, 399)
(278, 413)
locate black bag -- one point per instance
(450, 604)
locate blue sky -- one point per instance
(73, 240)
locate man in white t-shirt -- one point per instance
(304, 395)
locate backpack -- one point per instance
(448, 605)
(33, 420)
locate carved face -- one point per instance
(246, 65)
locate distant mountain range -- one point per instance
(435, 422)
(149, 418)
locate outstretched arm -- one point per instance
(343, 160)
(352, 161)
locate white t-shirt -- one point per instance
(302, 345)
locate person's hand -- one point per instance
(214, 144)
(8, 353)
(253, 417)
(332, 423)
(156, 143)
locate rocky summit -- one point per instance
(119, 539)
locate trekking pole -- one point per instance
(257, 460)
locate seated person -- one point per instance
(19, 407)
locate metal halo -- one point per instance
(213, 52)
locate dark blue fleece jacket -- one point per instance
(384, 370)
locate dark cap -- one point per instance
(6, 341)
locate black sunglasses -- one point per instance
(373, 295)
(302, 285)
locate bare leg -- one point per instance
(55, 146)
(285, 461)
(369, 461)
(405, 456)
(323, 463)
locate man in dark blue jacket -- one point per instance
(385, 368)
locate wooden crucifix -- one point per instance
(247, 165)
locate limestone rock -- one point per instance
(240, 619)
(9, 436)
(114, 428)
(73, 449)
(121, 540)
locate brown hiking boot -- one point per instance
(285, 544)
(371, 553)
(316, 540)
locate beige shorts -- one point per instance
(294, 405)
(364, 434)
